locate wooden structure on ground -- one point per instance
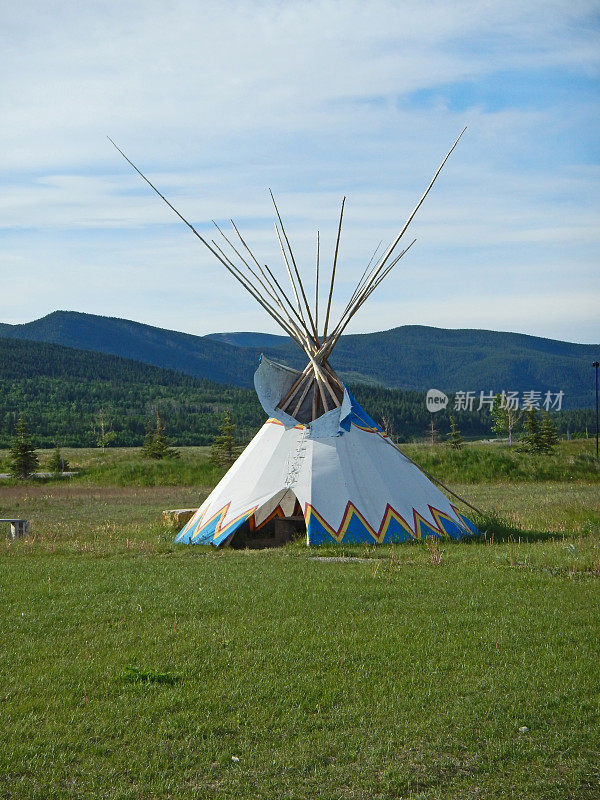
(18, 527)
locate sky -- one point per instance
(218, 101)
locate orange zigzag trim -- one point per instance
(219, 529)
(277, 512)
(389, 515)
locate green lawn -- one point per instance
(427, 670)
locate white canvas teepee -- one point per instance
(351, 482)
(319, 453)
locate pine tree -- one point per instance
(455, 440)
(224, 450)
(23, 460)
(548, 434)
(58, 463)
(532, 440)
(156, 444)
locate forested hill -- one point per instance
(409, 357)
(194, 355)
(419, 358)
(63, 393)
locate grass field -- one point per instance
(134, 668)
(477, 462)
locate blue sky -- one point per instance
(218, 101)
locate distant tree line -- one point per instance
(405, 417)
(89, 399)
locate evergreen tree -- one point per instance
(23, 460)
(156, 444)
(548, 434)
(58, 463)
(455, 440)
(532, 439)
(224, 450)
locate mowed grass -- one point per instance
(131, 667)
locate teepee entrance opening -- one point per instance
(283, 524)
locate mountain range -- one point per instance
(410, 357)
(68, 396)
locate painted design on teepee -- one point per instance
(393, 526)
(368, 429)
(213, 529)
(353, 527)
(214, 526)
(273, 421)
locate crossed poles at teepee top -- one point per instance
(296, 319)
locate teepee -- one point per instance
(319, 457)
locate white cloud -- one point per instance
(217, 101)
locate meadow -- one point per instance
(135, 668)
